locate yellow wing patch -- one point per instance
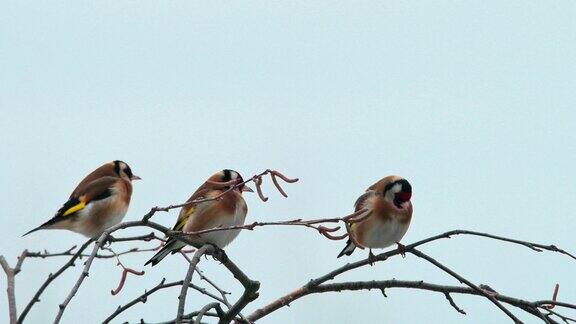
(74, 208)
(181, 222)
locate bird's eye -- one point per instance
(128, 172)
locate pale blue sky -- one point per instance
(473, 102)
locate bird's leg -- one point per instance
(219, 252)
(108, 241)
(402, 249)
(371, 258)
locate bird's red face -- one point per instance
(400, 192)
(403, 196)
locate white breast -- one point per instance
(100, 215)
(385, 234)
(223, 238)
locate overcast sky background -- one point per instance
(473, 102)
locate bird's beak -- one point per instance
(135, 177)
(245, 188)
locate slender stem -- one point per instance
(205, 249)
(52, 277)
(465, 281)
(204, 310)
(83, 275)
(162, 285)
(10, 289)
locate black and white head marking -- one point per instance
(395, 191)
(123, 170)
(231, 175)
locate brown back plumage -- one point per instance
(106, 170)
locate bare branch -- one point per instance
(273, 306)
(162, 285)
(83, 275)
(381, 285)
(205, 309)
(465, 281)
(206, 249)
(10, 289)
(222, 292)
(546, 303)
(325, 231)
(51, 277)
(533, 246)
(565, 319)
(219, 255)
(451, 301)
(70, 251)
(251, 287)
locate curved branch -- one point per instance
(205, 310)
(533, 246)
(381, 285)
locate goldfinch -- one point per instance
(391, 212)
(99, 201)
(228, 210)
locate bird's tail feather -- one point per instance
(51, 223)
(34, 230)
(348, 249)
(172, 245)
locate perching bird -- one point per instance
(391, 212)
(100, 201)
(229, 210)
